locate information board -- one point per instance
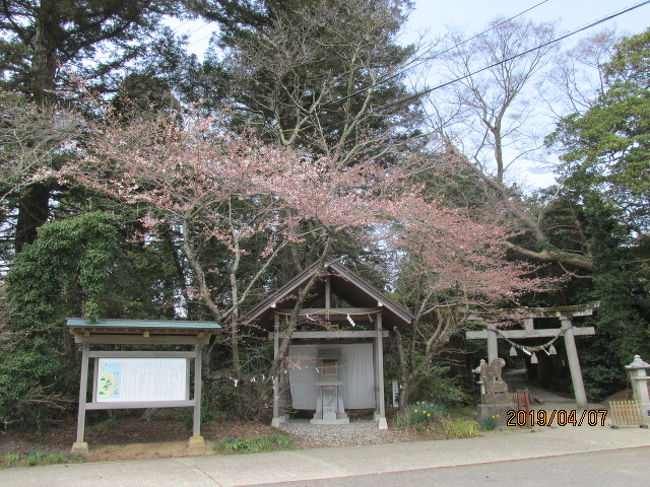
(141, 379)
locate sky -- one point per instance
(430, 19)
(433, 16)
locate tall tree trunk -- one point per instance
(404, 396)
(33, 207)
(33, 211)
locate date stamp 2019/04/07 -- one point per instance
(560, 417)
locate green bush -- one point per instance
(80, 265)
(459, 428)
(38, 458)
(271, 442)
(420, 412)
(489, 424)
(9, 460)
(66, 269)
(104, 426)
(439, 383)
(221, 396)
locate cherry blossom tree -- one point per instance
(456, 269)
(212, 185)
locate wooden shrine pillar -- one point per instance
(574, 362)
(379, 373)
(275, 422)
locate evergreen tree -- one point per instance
(46, 41)
(606, 175)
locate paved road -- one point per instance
(581, 456)
(629, 468)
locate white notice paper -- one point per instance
(141, 379)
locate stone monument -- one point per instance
(495, 398)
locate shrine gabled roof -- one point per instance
(350, 286)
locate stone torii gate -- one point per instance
(565, 314)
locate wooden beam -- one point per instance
(561, 312)
(140, 340)
(324, 311)
(545, 333)
(571, 311)
(330, 334)
(140, 354)
(140, 405)
(275, 422)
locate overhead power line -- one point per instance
(515, 56)
(437, 55)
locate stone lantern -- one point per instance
(639, 379)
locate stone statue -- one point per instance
(491, 376)
(496, 401)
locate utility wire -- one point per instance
(437, 55)
(447, 83)
(515, 56)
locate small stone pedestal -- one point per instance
(329, 406)
(496, 403)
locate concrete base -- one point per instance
(276, 422)
(79, 448)
(383, 425)
(330, 421)
(486, 411)
(504, 398)
(196, 442)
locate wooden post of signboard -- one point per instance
(80, 446)
(196, 439)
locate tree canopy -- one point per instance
(607, 148)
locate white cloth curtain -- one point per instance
(356, 371)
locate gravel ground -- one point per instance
(359, 432)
